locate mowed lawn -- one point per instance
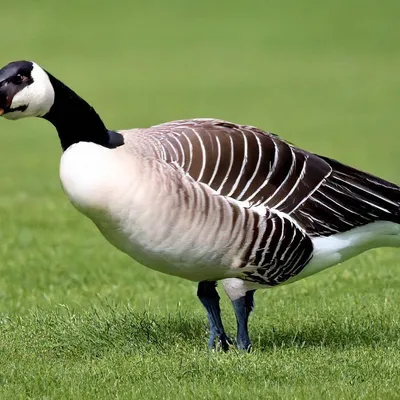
(78, 319)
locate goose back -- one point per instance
(258, 168)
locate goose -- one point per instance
(206, 199)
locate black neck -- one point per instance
(75, 120)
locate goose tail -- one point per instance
(378, 196)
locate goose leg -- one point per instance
(209, 297)
(241, 294)
(243, 307)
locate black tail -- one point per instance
(346, 199)
(375, 196)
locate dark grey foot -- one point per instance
(243, 307)
(209, 297)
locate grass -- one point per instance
(80, 320)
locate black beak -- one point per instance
(5, 100)
(7, 89)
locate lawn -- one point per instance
(78, 319)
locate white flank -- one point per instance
(335, 249)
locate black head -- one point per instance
(25, 90)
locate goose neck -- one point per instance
(75, 120)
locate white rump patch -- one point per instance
(335, 249)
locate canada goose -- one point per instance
(206, 199)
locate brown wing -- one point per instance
(259, 168)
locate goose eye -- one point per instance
(17, 79)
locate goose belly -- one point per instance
(173, 255)
(154, 231)
(335, 249)
(138, 212)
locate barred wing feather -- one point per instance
(249, 165)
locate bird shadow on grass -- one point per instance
(96, 332)
(325, 333)
(62, 332)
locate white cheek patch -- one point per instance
(38, 97)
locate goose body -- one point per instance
(170, 218)
(210, 200)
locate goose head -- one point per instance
(25, 90)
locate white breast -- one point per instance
(91, 174)
(135, 211)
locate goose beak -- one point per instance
(5, 101)
(6, 93)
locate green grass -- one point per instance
(79, 320)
